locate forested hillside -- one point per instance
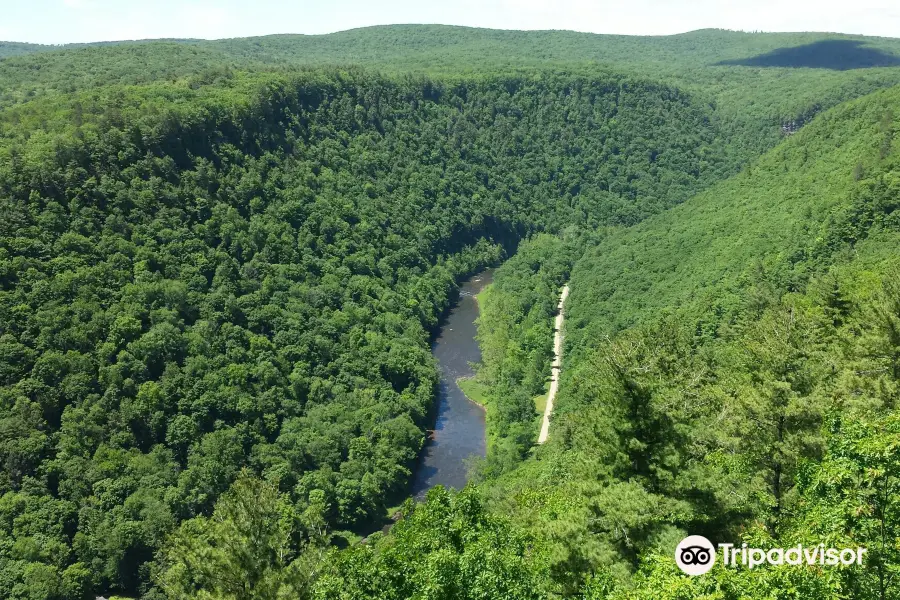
(246, 277)
(755, 81)
(732, 371)
(17, 48)
(222, 264)
(791, 206)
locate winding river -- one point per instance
(459, 425)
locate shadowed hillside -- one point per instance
(219, 285)
(837, 55)
(765, 304)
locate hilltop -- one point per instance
(755, 79)
(222, 264)
(718, 353)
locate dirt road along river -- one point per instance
(557, 364)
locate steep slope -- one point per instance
(756, 80)
(706, 349)
(773, 216)
(245, 276)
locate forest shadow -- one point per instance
(837, 55)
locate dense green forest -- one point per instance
(222, 264)
(198, 284)
(732, 371)
(754, 81)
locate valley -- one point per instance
(237, 314)
(556, 365)
(458, 433)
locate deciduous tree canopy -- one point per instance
(220, 271)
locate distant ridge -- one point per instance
(756, 81)
(731, 44)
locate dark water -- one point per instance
(459, 428)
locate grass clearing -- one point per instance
(474, 391)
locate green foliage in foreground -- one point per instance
(216, 296)
(245, 549)
(515, 333)
(447, 547)
(194, 282)
(734, 368)
(452, 547)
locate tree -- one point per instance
(246, 550)
(449, 547)
(852, 499)
(773, 389)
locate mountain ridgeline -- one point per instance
(248, 279)
(222, 264)
(732, 371)
(754, 81)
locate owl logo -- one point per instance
(695, 555)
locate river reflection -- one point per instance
(459, 428)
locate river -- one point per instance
(459, 425)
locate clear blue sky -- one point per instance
(62, 21)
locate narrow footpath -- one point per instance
(556, 366)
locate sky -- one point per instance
(65, 21)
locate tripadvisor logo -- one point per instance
(696, 555)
